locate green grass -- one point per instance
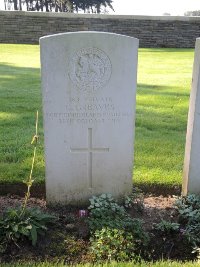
(20, 97)
(162, 105)
(164, 78)
(117, 264)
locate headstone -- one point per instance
(89, 88)
(191, 172)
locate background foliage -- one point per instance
(86, 6)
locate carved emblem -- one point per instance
(90, 69)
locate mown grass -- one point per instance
(117, 264)
(164, 78)
(20, 97)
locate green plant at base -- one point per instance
(188, 208)
(112, 244)
(15, 227)
(30, 180)
(192, 233)
(105, 212)
(17, 223)
(51, 263)
(135, 199)
(167, 227)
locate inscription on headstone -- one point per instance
(89, 87)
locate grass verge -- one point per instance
(114, 264)
(164, 77)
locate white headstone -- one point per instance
(89, 88)
(191, 172)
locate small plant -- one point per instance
(112, 244)
(18, 223)
(135, 199)
(135, 227)
(189, 209)
(105, 212)
(167, 227)
(15, 227)
(192, 233)
(65, 246)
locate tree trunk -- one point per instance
(98, 8)
(41, 5)
(37, 6)
(46, 5)
(20, 4)
(56, 6)
(15, 5)
(27, 5)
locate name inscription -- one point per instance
(88, 110)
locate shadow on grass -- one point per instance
(19, 89)
(154, 121)
(20, 97)
(146, 89)
(161, 50)
(38, 189)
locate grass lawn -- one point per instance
(164, 79)
(117, 264)
(162, 105)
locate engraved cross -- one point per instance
(90, 150)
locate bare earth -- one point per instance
(155, 208)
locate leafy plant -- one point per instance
(192, 233)
(167, 227)
(135, 227)
(18, 223)
(14, 226)
(135, 199)
(105, 212)
(189, 209)
(112, 244)
(30, 180)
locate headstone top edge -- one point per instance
(85, 33)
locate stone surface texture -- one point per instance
(89, 88)
(191, 173)
(152, 31)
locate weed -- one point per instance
(167, 227)
(112, 244)
(135, 199)
(106, 213)
(188, 208)
(18, 223)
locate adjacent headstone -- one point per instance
(89, 88)
(191, 173)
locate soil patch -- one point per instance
(69, 240)
(38, 190)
